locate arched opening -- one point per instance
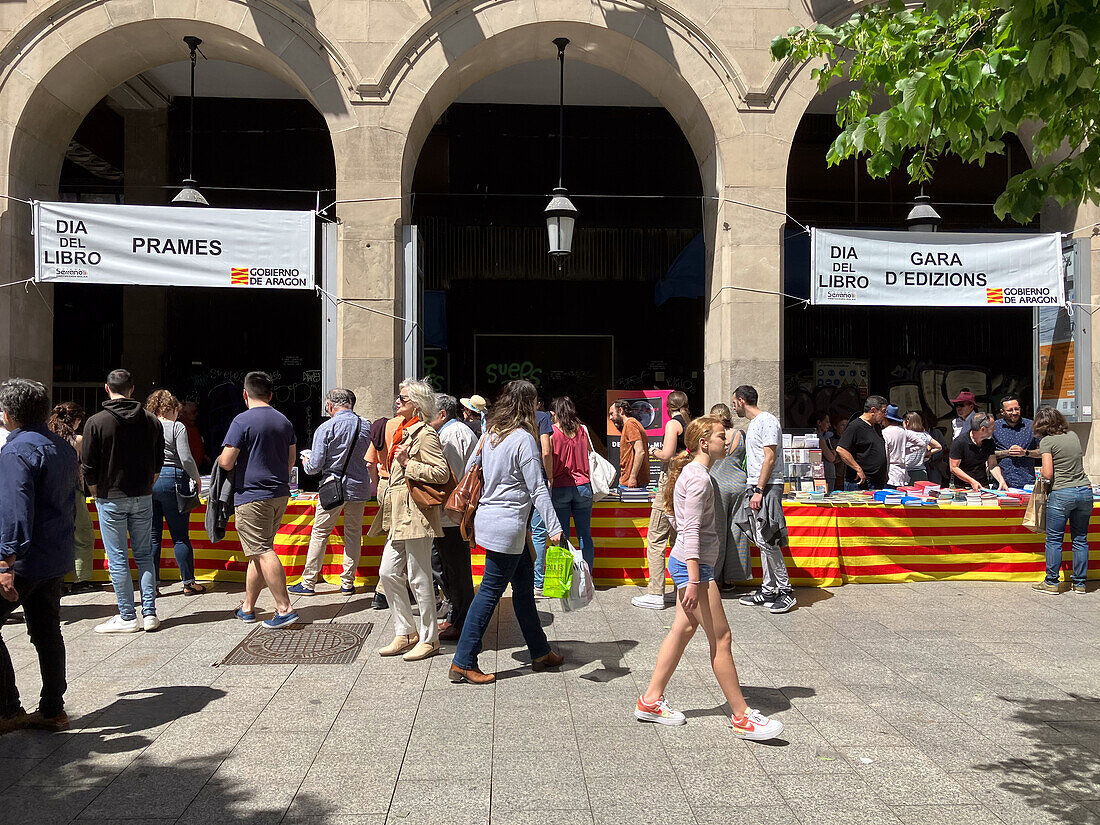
(500, 307)
(108, 123)
(918, 356)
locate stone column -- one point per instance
(368, 164)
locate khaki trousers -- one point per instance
(323, 523)
(658, 537)
(410, 560)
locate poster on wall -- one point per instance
(1061, 338)
(649, 408)
(86, 243)
(887, 268)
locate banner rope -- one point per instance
(337, 301)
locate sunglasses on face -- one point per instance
(402, 399)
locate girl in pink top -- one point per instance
(570, 482)
(689, 501)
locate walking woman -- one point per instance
(1070, 499)
(179, 466)
(416, 454)
(733, 563)
(66, 421)
(571, 484)
(661, 531)
(689, 501)
(511, 464)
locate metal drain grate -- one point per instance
(311, 644)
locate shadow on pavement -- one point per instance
(1061, 774)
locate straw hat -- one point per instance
(475, 403)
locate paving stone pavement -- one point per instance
(921, 704)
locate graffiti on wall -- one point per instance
(915, 385)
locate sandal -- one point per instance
(193, 589)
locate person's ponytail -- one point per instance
(675, 467)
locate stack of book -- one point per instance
(634, 495)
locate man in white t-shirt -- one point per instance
(768, 527)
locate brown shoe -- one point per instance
(400, 644)
(550, 660)
(451, 634)
(471, 675)
(51, 723)
(17, 721)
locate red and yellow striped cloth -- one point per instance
(828, 546)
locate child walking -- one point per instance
(689, 502)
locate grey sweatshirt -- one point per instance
(513, 480)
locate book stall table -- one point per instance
(829, 545)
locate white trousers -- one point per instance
(410, 561)
(323, 523)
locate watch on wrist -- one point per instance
(756, 490)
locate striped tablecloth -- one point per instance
(828, 546)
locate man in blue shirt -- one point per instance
(260, 449)
(339, 449)
(38, 478)
(1015, 443)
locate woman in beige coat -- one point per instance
(415, 453)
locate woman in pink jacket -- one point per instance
(689, 502)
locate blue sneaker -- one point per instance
(282, 620)
(301, 590)
(347, 591)
(247, 618)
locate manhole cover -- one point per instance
(325, 644)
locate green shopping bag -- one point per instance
(559, 572)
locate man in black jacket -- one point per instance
(123, 452)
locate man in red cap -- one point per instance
(965, 405)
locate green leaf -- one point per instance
(1037, 60)
(1086, 77)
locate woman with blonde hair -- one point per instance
(689, 502)
(180, 472)
(66, 421)
(661, 532)
(733, 563)
(511, 464)
(415, 454)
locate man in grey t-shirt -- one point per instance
(763, 511)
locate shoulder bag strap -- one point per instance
(351, 449)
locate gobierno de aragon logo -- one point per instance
(258, 276)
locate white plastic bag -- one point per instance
(582, 590)
(601, 472)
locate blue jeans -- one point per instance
(500, 570)
(1073, 505)
(117, 517)
(575, 502)
(166, 509)
(540, 537)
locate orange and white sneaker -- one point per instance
(658, 712)
(756, 726)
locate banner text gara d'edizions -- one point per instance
(884, 268)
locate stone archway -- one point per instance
(56, 70)
(740, 151)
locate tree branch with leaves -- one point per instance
(960, 75)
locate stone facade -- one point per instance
(382, 72)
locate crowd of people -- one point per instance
(720, 489)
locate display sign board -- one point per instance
(650, 408)
(173, 246)
(1062, 342)
(885, 268)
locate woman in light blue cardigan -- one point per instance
(511, 464)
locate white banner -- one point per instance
(173, 246)
(885, 268)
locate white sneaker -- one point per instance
(117, 624)
(658, 712)
(150, 623)
(651, 601)
(756, 726)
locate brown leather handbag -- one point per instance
(426, 494)
(463, 501)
